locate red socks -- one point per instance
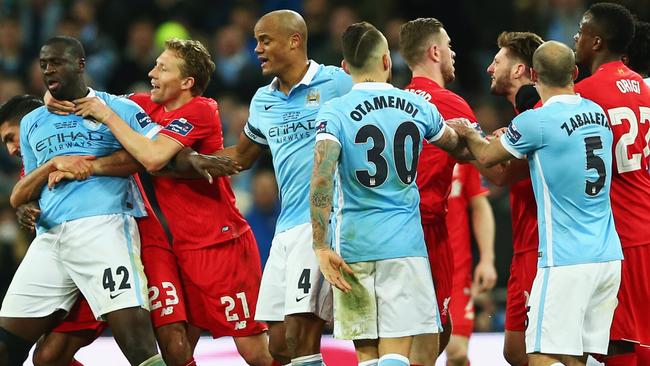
(75, 363)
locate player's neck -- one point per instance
(603, 58)
(178, 102)
(516, 85)
(370, 77)
(547, 92)
(78, 91)
(292, 76)
(429, 72)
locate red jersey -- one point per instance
(625, 98)
(199, 214)
(151, 230)
(466, 184)
(435, 167)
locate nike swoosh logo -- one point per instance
(116, 295)
(267, 107)
(300, 298)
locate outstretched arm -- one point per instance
(320, 206)
(487, 153)
(485, 274)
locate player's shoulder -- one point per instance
(331, 72)
(200, 106)
(117, 102)
(33, 116)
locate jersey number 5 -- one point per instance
(405, 173)
(594, 162)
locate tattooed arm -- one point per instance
(320, 206)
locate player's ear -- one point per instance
(82, 64)
(187, 83)
(387, 61)
(598, 43)
(434, 52)
(575, 72)
(344, 66)
(294, 41)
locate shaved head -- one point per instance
(287, 22)
(554, 63)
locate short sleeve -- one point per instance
(135, 117)
(251, 128)
(328, 125)
(195, 125)
(523, 136)
(434, 122)
(29, 158)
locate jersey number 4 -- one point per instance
(405, 173)
(624, 161)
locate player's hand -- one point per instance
(80, 166)
(27, 215)
(485, 276)
(331, 264)
(60, 107)
(218, 166)
(92, 107)
(499, 132)
(462, 126)
(56, 177)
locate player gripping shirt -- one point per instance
(626, 100)
(286, 124)
(574, 293)
(93, 247)
(207, 227)
(380, 130)
(435, 169)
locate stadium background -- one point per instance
(123, 38)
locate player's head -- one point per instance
(365, 51)
(281, 42)
(63, 61)
(425, 41)
(637, 56)
(554, 65)
(10, 115)
(605, 28)
(183, 68)
(511, 65)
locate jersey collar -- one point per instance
(372, 86)
(564, 98)
(423, 80)
(306, 80)
(612, 65)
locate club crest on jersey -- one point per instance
(143, 119)
(512, 134)
(180, 126)
(91, 124)
(321, 127)
(313, 98)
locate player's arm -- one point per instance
(485, 274)
(487, 153)
(228, 161)
(505, 173)
(29, 187)
(320, 205)
(152, 154)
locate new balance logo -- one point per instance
(240, 325)
(167, 311)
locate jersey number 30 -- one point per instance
(405, 173)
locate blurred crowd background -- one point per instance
(123, 38)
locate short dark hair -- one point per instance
(638, 52)
(13, 110)
(71, 44)
(614, 24)
(197, 62)
(521, 45)
(359, 42)
(415, 36)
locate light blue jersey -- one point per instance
(568, 143)
(380, 129)
(44, 135)
(286, 123)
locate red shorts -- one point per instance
(461, 306)
(221, 284)
(631, 317)
(81, 318)
(442, 264)
(166, 300)
(522, 274)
